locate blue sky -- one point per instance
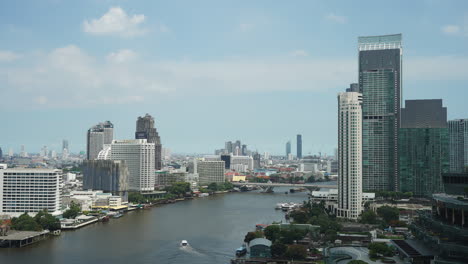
(211, 71)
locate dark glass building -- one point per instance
(380, 84)
(458, 141)
(299, 146)
(423, 147)
(145, 130)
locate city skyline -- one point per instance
(294, 73)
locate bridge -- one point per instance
(268, 186)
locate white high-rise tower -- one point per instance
(349, 155)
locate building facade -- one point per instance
(210, 171)
(138, 154)
(145, 130)
(30, 190)
(107, 175)
(288, 149)
(299, 146)
(97, 137)
(424, 153)
(380, 75)
(349, 155)
(458, 144)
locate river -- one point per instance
(214, 227)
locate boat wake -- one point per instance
(189, 249)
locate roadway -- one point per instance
(305, 185)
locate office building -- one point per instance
(353, 87)
(299, 146)
(227, 161)
(228, 147)
(288, 149)
(1, 154)
(65, 145)
(145, 130)
(246, 161)
(349, 155)
(424, 153)
(138, 154)
(210, 171)
(244, 150)
(256, 161)
(380, 78)
(29, 190)
(97, 137)
(107, 175)
(458, 144)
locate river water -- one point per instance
(214, 227)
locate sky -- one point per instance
(211, 71)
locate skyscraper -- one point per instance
(288, 149)
(380, 84)
(349, 155)
(65, 145)
(210, 171)
(299, 146)
(97, 137)
(244, 150)
(228, 147)
(458, 144)
(145, 130)
(1, 154)
(423, 147)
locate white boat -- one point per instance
(184, 243)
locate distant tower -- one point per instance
(65, 145)
(299, 146)
(380, 75)
(458, 140)
(1, 154)
(288, 149)
(244, 150)
(228, 147)
(349, 155)
(145, 130)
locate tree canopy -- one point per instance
(73, 211)
(388, 213)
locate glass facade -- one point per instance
(423, 159)
(380, 85)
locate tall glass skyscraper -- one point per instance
(299, 146)
(458, 140)
(380, 59)
(145, 130)
(423, 147)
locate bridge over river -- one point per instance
(268, 186)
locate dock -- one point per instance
(22, 238)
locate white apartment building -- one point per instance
(210, 171)
(242, 160)
(140, 158)
(30, 190)
(349, 155)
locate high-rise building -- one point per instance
(97, 137)
(380, 84)
(210, 171)
(65, 145)
(228, 147)
(29, 190)
(107, 175)
(227, 160)
(138, 154)
(238, 144)
(145, 130)
(23, 153)
(349, 155)
(458, 144)
(244, 150)
(241, 163)
(1, 154)
(288, 149)
(299, 146)
(353, 87)
(423, 147)
(256, 160)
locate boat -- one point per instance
(241, 251)
(184, 243)
(118, 215)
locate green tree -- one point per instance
(252, 235)
(300, 217)
(289, 235)
(136, 198)
(228, 186)
(368, 217)
(213, 186)
(272, 233)
(379, 249)
(73, 211)
(278, 250)
(298, 252)
(47, 221)
(25, 223)
(179, 188)
(388, 213)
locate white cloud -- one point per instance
(451, 29)
(299, 53)
(122, 56)
(336, 18)
(246, 27)
(69, 77)
(7, 56)
(116, 22)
